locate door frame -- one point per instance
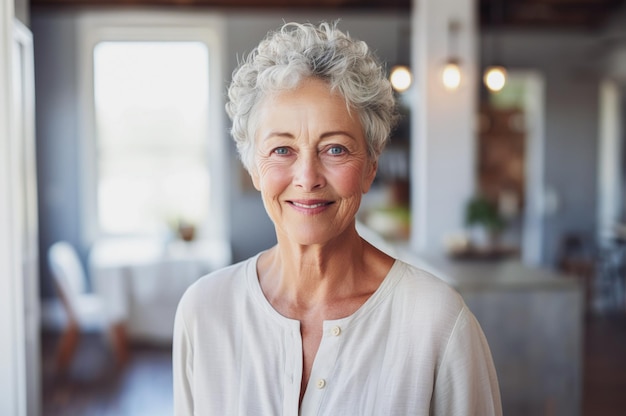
(13, 390)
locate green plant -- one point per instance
(482, 212)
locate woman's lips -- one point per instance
(310, 207)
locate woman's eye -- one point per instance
(336, 150)
(281, 151)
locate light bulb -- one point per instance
(451, 76)
(495, 78)
(400, 78)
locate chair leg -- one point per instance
(67, 347)
(119, 340)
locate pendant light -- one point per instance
(495, 75)
(495, 78)
(400, 78)
(400, 75)
(451, 74)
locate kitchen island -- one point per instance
(533, 321)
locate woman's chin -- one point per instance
(306, 236)
(309, 239)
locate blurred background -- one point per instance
(119, 185)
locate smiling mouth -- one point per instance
(310, 206)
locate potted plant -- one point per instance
(482, 215)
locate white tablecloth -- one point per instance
(141, 281)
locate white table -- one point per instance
(141, 281)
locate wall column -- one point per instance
(443, 133)
(12, 359)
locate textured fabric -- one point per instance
(413, 348)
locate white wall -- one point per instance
(58, 140)
(443, 135)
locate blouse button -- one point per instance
(321, 383)
(336, 331)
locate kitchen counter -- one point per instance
(533, 321)
(488, 274)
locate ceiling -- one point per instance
(523, 14)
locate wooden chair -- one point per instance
(576, 258)
(84, 310)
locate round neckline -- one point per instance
(388, 282)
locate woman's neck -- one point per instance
(300, 279)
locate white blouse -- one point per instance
(413, 348)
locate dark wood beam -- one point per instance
(239, 4)
(524, 14)
(547, 14)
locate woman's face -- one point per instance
(311, 163)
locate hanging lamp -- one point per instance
(495, 75)
(451, 74)
(400, 75)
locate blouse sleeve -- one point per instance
(466, 383)
(182, 361)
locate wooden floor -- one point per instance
(94, 387)
(604, 376)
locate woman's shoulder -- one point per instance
(219, 286)
(425, 289)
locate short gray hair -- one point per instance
(297, 51)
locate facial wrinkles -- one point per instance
(308, 131)
(310, 156)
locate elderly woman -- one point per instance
(323, 323)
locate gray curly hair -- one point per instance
(297, 51)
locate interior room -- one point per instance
(120, 185)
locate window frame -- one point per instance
(134, 25)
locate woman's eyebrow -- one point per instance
(338, 133)
(284, 134)
(287, 135)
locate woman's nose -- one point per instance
(308, 173)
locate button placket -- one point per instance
(323, 368)
(326, 355)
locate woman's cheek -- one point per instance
(273, 175)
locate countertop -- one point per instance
(464, 275)
(489, 274)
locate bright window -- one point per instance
(152, 129)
